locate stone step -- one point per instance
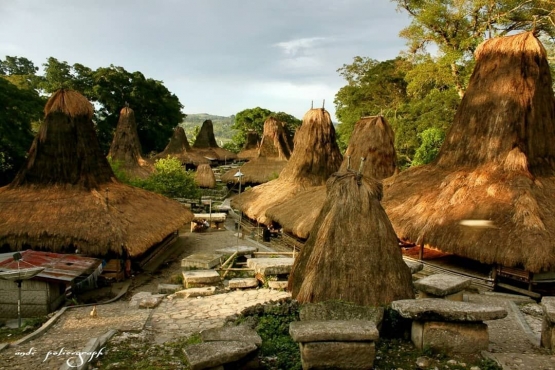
(242, 283)
(200, 278)
(277, 284)
(241, 250)
(201, 261)
(212, 354)
(169, 288)
(271, 266)
(195, 292)
(240, 333)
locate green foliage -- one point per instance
(171, 179)
(431, 139)
(253, 120)
(222, 127)
(19, 108)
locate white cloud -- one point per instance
(300, 46)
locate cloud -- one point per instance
(300, 46)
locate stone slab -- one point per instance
(145, 300)
(432, 309)
(450, 337)
(241, 250)
(196, 292)
(547, 338)
(212, 354)
(271, 266)
(195, 278)
(242, 283)
(459, 296)
(241, 333)
(548, 304)
(277, 284)
(338, 355)
(414, 266)
(336, 310)
(522, 361)
(169, 288)
(441, 285)
(333, 331)
(201, 261)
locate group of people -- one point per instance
(270, 232)
(201, 225)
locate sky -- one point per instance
(217, 56)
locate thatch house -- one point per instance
(497, 164)
(205, 145)
(272, 155)
(204, 177)
(352, 253)
(126, 147)
(179, 148)
(66, 196)
(372, 139)
(315, 158)
(250, 149)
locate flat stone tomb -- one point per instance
(235, 345)
(548, 325)
(451, 326)
(241, 250)
(442, 286)
(271, 266)
(335, 344)
(200, 278)
(414, 266)
(242, 283)
(201, 261)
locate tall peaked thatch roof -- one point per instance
(126, 147)
(250, 149)
(372, 139)
(204, 177)
(205, 144)
(497, 163)
(276, 141)
(315, 158)
(66, 196)
(272, 155)
(178, 147)
(352, 253)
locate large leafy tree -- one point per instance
(19, 108)
(253, 120)
(457, 27)
(157, 110)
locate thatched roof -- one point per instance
(205, 144)
(276, 141)
(315, 158)
(126, 148)
(204, 177)
(273, 153)
(179, 148)
(497, 163)
(66, 196)
(250, 149)
(352, 253)
(372, 139)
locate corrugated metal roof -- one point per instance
(58, 267)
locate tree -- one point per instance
(457, 27)
(19, 107)
(253, 120)
(372, 88)
(171, 180)
(431, 139)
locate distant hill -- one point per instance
(222, 126)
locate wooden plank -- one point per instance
(529, 293)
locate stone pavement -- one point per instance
(513, 343)
(183, 316)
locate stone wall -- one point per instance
(38, 298)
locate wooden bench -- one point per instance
(548, 325)
(450, 326)
(445, 286)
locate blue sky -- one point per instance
(218, 57)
